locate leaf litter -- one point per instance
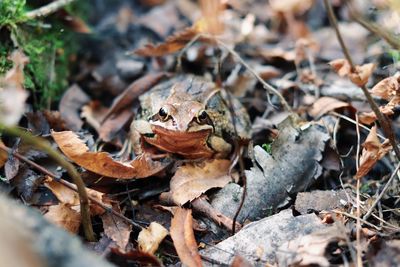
(285, 165)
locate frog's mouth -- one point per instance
(189, 144)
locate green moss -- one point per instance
(48, 51)
(11, 11)
(47, 44)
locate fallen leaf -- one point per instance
(150, 238)
(71, 198)
(326, 104)
(259, 241)
(3, 155)
(367, 117)
(171, 45)
(70, 105)
(64, 216)
(210, 22)
(319, 200)
(134, 90)
(313, 249)
(293, 166)
(116, 229)
(102, 163)
(372, 151)
(183, 237)
(359, 76)
(291, 6)
(12, 91)
(94, 113)
(192, 180)
(133, 258)
(114, 124)
(387, 88)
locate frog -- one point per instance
(188, 116)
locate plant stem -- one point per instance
(266, 85)
(47, 9)
(45, 146)
(389, 37)
(72, 187)
(383, 120)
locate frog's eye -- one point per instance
(202, 117)
(163, 114)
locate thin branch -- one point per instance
(354, 122)
(383, 120)
(68, 185)
(358, 212)
(378, 30)
(385, 188)
(44, 146)
(266, 85)
(47, 9)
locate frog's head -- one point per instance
(186, 116)
(181, 124)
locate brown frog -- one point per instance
(188, 116)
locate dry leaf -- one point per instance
(359, 76)
(192, 180)
(138, 87)
(101, 162)
(325, 104)
(71, 103)
(71, 198)
(3, 155)
(387, 88)
(116, 229)
(12, 92)
(341, 67)
(183, 237)
(94, 113)
(150, 238)
(367, 118)
(372, 151)
(291, 6)
(171, 45)
(211, 17)
(64, 216)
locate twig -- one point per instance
(43, 145)
(358, 212)
(355, 218)
(385, 188)
(70, 186)
(354, 122)
(383, 33)
(266, 85)
(383, 120)
(47, 9)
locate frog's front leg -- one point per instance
(220, 146)
(139, 128)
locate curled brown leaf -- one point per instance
(372, 151)
(102, 163)
(183, 237)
